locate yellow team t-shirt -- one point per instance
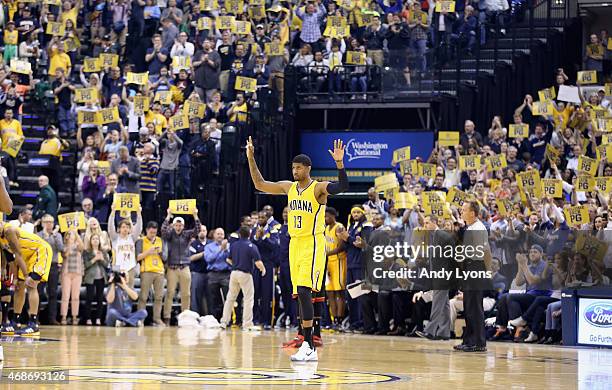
(158, 120)
(9, 129)
(152, 263)
(240, 113)
(11, 37)
(59, 60)
(51, 147)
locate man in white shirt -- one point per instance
(182, 48)
(24, 219)
(475, 237)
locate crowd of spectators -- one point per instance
(103, 60)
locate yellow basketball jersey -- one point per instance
(29, 243)
(306, 214)
(332, 242)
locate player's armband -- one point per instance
(340, 186)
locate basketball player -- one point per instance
(306, 199)
(6, 207)
(336, 266)
(33, 257)
(6, 204)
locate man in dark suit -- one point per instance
(439, 324)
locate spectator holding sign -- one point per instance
(12, 135)
(123, 243)
(178, 261)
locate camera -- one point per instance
(117, 277)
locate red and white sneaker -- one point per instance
(295, 343)
(317, 341)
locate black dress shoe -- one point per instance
(381, 333)
(397, 332)
(441, 338)
(424, 335)
(475, 348)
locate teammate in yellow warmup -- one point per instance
(6, 207)
(306, 200)
(336, 267)
(32, 256)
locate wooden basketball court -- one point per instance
(153, 358)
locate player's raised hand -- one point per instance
(338, 152)
(250, 149)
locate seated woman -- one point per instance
(359, 76)
(552, 329)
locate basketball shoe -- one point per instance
(7, 329)
(305, 354)
(31, 330)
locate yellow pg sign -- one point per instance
(70, 221)
(182, 206)
(126, 202)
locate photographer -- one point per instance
(120, 297)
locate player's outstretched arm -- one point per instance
(270, 187)
(6, 204)
(333, 188)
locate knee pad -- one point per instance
(305, 299)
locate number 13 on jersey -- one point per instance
(297, 221)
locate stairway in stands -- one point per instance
(29, 162)
(515, 42)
